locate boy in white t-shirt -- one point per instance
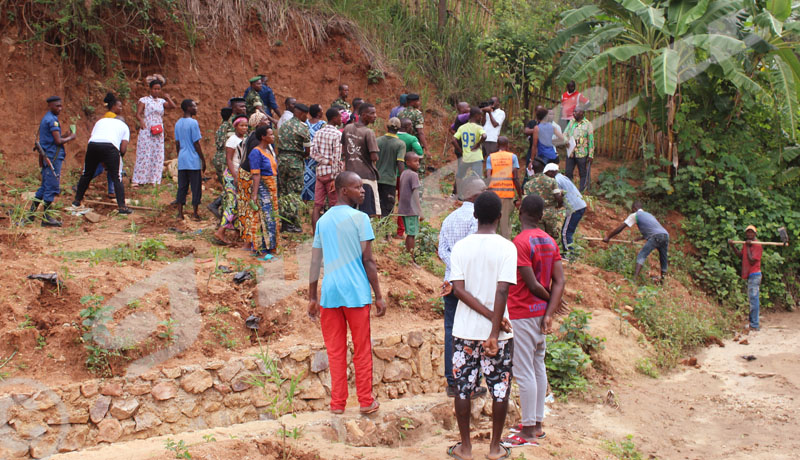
(482, 268)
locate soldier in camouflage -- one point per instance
(413, 113)
(341, 101)
(547, 188)
(253, 100)
(294, 142)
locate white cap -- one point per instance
(550, 167)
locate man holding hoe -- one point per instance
(751, 271)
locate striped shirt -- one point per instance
(458, 225)
(326, 149)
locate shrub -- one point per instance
(565, 363)
(614, 186)
(675, 329)
(575, 329)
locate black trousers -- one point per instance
(108, 155)
(584, 169)
(193, 178)
(386, 196)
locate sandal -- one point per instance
(507, 453)
(451, 451)
(266, 257)
(218, 242)
(517, 441)
(518, 427)
(371, 409)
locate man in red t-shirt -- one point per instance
(570, 100)
(751, 271)
(531, 305)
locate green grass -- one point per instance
(131, 252)
(675, 328)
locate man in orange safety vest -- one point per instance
(501, 169)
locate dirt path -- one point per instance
(727, 408)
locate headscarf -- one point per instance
(240, 120)
(155, 76)
(256, 118)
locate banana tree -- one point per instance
(673, 41)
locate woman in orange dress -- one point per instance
(258, 196)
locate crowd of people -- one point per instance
(500, 294)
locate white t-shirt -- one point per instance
(481, 260)
(285, 116)
(233, 142)
(493, 133)
(111, 131)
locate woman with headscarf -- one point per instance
(258, 196)
(150, 143)
(233, 158)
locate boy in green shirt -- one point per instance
(467, 142)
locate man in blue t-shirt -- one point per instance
(656, 235)
(191, 162)
(343, 243)
(53, 155)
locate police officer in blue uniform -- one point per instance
(53, 148)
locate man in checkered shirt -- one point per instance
(459, 224)
(326, 150)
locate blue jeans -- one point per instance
(660, 242)
(569, 227)
(450, 304)
(51, 184)
(753, 290)
(100, 170)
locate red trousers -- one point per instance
(334, 322)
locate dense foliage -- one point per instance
(741, 172)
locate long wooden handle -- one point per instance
(591, 238)
(104, 203)
(763, 243)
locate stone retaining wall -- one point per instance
(36, 421)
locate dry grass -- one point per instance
(313, 25)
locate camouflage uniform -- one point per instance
(224, 131)
(341, 103)
(293, 137)
(542, 185)
(417, 123)
(251, 101)
(417, 120)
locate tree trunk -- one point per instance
(672, 150)
(442, 14)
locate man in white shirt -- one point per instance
(289, 112)
(495, 116)
(483, 266)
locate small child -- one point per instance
(191, 162)
(409, 207)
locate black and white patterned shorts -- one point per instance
(469, 362)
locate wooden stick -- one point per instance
(764, 243)
(591, 238)
(104, 203)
